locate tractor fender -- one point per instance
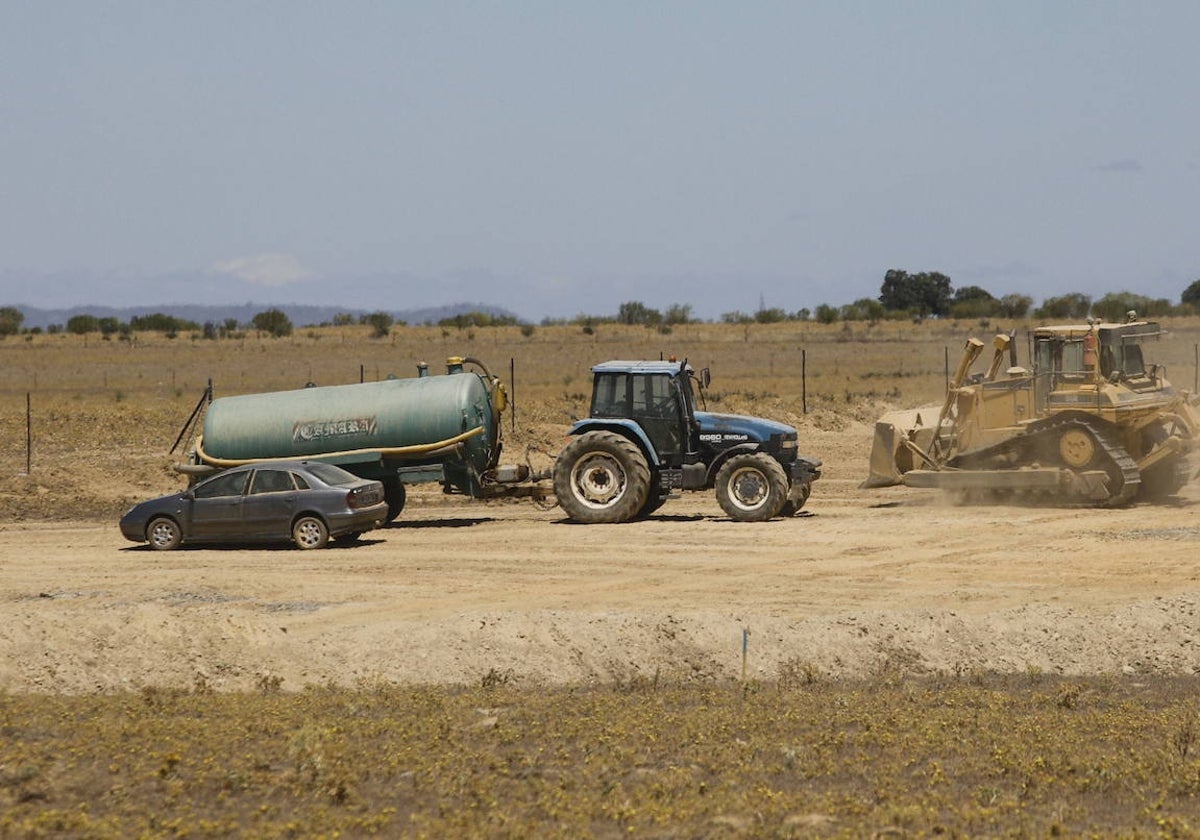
(625, 428)
(725, 454)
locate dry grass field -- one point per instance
(487, 669)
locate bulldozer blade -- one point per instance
(890, 457)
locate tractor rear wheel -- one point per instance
(601, 477)
(751, 487)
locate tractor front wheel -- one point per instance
(751, 487)
(601, 477)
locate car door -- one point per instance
(217, 507)
(269, 505)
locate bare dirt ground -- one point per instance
(868, 582)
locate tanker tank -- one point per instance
(430, 428)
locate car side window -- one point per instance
(271, 481)
(230, 484)
(301, 484)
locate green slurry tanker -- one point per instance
(646, 439)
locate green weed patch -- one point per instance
(1025, 755)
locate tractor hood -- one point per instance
(735, 428)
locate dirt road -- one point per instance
(868, 581)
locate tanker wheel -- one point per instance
(309, 532)
(751, 487)
(601, 477)
(163, 534)
(395, 495)
(1076, 447)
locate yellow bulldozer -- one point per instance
(1092, 423)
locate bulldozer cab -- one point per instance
(1082, 357)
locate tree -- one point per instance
(636, 312)
(11, 319)
(380, 323)
(678, 313)
(1114, 306)
(1073, 305)
(863, 309)
(1191, 295)
(926, 293)
(973, 302)
(773, 315)
(108, 325)
(273, 321)
(826, 314)
(1014, 306)
(82, 324)
(161, 322)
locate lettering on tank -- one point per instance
(310, 430)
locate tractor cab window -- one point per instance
(610, 396)
(654, 396)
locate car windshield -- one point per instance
(330, 474)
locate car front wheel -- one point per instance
(310, 532)
(163, 534)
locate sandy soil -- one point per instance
(869, 581)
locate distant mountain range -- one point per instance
(300, 315)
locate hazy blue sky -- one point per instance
(558, 158)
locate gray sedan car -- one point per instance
(307, 502)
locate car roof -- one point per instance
(281, 464)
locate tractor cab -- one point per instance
(655, 396)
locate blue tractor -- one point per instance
(647, 437)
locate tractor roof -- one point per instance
(639, 367)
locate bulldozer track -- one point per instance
(1118, 459)
(1111, 456)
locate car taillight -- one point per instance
(364, 497)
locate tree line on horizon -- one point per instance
(901, 296)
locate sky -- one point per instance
(560, 158)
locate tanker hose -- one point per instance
(499, 394)
(416, 451)
(473, 361)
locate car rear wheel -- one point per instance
(163, 534)
(310, 532)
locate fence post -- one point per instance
(28, 434)
(803, 381)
